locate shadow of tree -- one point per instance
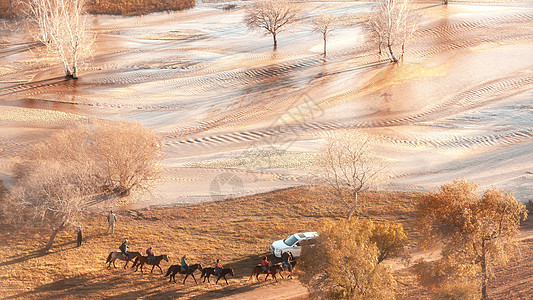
(41, 253)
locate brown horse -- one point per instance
(175, 269)
(118, 255)
(141, 260)
(207, 272)
(275, 269)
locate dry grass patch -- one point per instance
(238, 231)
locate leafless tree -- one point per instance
(324, 24)
(77, 166)
(348, 165)
(274, 16)
(392, 23)
(122, 155)
(53, 195)
(61, 26)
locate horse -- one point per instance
(175, 269)
(141, 260)
(118, 255)
(275, 269)
(288, 268)
(207, 272)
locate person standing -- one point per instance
(80, 236)
(111, 219)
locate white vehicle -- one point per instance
(292, 244)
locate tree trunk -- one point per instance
(392, 57)
(51, 240)
(483, 272)
(275, 40)
(353, 208)
(324, 43)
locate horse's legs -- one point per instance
(159, 269)
(152, 269)
(185, 278)
(114, 264)
(192, 274)
(127, 261)
(226, 280)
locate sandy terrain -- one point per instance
(240, 118)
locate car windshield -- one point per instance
(290, 240)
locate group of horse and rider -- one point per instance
(152, 259)
(266, 267)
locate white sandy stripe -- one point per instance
(37, 116)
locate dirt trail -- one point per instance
(282, 290)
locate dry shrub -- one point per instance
(474, 232)
(344, 262)
(135, 7)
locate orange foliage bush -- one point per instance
(137, 7)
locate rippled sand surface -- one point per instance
(241, 118)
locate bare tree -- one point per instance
(274, 16)
(473, 231)
(392, 23)
(324, 24)
(61, 26)
(348, 165)
(52, 195)
(77, 166)
(122, 155)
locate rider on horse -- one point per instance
(287, 258)
(150, 254)
(266, 264)
(124, 248)
(184, 264)
(218, 268)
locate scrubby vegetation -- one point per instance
(137, 7)
(238, 231)
(9, 8)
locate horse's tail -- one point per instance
(168, 272)
(109, 257)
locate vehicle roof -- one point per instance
(306, 235)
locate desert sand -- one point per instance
(239, 117)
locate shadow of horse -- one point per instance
(118, 255)
(207, 272)
(274, 270)
(141, 260)
(175, 269)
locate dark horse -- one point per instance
(175, 269)
(118, 255)
(141, 260)
(207, 272)
(290, 268)
(275, 269)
